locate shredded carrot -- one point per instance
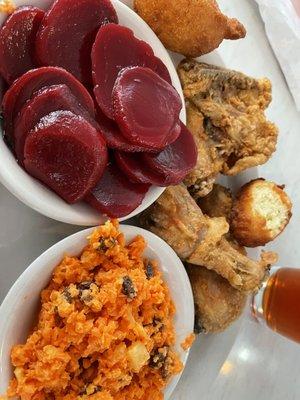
(105, 330)
(188, 341)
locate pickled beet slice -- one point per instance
(47, 100)
(31, 82)
(3, 88)
(134, 167)
(114, 195)
(66, 153)
(176, 160)
(67, 34)
(146, 107)
(17, 41)
(116, 48)
(113, 137)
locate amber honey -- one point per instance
(281, 303)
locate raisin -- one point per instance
(158, 358)
(59, 321)
(149, 271)
(84, 293)
(102, 246)
(128, 288)
(84, 285)
(156, 321)
(87, 298)
(105, 244)
(165, 371)
(67, 295)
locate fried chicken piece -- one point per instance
(176, 218)
(199, 240)
(218, 203)
(217, 303)
(232, 106)
(261, 211)
(191, 28)
(201, 179)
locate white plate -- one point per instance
(20, 306)
(37, 196)
(28, 233)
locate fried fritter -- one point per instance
(217, 303)
(261, 212)
(199, 240)
(232, 106)
(191, 28)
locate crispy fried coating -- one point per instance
(217, 303)
(189, 27)
(218, 254)
(218, 203)
(200, 240)
(260, 213)
(232, 106)
(177, 219)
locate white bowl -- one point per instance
(20, 306)
(37, 196)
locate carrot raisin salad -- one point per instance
(105, 330)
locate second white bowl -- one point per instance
(19, 309)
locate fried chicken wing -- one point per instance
(232, 106)
(217, 303)
(200, 240)
(191, 28)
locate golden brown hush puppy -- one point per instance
(260, 213)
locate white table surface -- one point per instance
(260, 364)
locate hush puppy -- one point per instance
(189, 27)
(260, 213)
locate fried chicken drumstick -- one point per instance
(217, 303)
(199, 240)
